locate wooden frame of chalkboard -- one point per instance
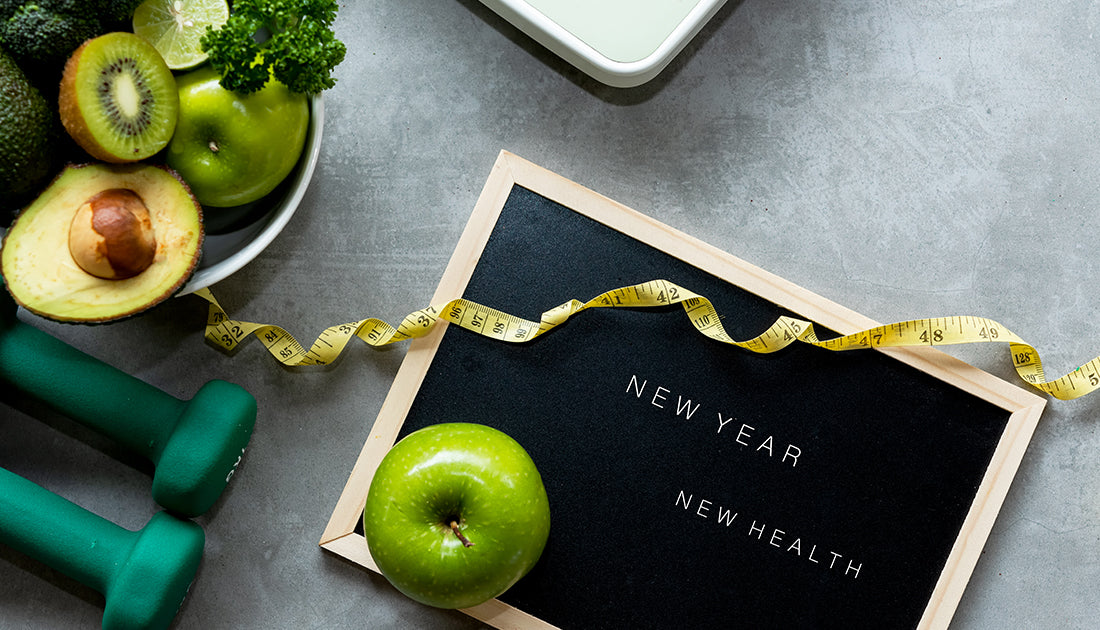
(690, 481)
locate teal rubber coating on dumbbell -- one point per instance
(195, 445)
(143, 575)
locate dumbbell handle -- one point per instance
(86, 389)
(57, 532)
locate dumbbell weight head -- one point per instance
(152, 582)
(143, 575)
(202, 453)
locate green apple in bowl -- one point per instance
(456, 514)
(232, 149)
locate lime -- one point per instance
(174, 27)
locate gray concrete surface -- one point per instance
(904, 159)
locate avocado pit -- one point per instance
(111, 235)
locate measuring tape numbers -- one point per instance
(227, 333)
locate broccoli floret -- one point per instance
(70, 7)
(115, 10)
(37, 35)
(109, 11)
(8, 8)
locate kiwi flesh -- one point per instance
(118, 99)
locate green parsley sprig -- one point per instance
(290, 39)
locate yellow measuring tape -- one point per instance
(228, 334)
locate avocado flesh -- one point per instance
(42, 276)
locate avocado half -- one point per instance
(42, 275)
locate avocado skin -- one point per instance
(29, 135)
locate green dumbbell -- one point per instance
(195, 445)
(143, 575)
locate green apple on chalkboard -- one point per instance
(456, 514)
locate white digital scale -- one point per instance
(622, 43)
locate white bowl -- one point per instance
(234, 236)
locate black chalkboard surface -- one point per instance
(692, 483)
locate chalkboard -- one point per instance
(693, 483)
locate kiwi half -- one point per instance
(118, 99)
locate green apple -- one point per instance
(232, 148)
(456, 514)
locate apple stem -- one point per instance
(465, 541)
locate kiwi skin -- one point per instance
(79, 102)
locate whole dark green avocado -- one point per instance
(28, 138)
